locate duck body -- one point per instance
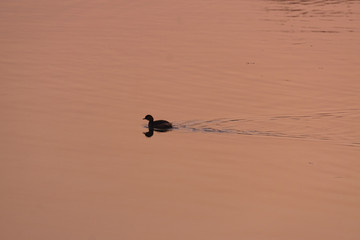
(158, 124)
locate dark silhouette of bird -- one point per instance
(158, 124)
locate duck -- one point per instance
(158, 124)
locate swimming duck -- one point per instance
(159, 124)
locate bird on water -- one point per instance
(158, 124)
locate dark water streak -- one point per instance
(219, 126)
(324, 11)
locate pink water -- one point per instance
(264, 96)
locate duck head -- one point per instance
(149, 118)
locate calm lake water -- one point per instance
(264, 96)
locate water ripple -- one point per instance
(324, 11)
(324, 126)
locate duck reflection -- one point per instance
(151, 131)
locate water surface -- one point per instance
(264, 96)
